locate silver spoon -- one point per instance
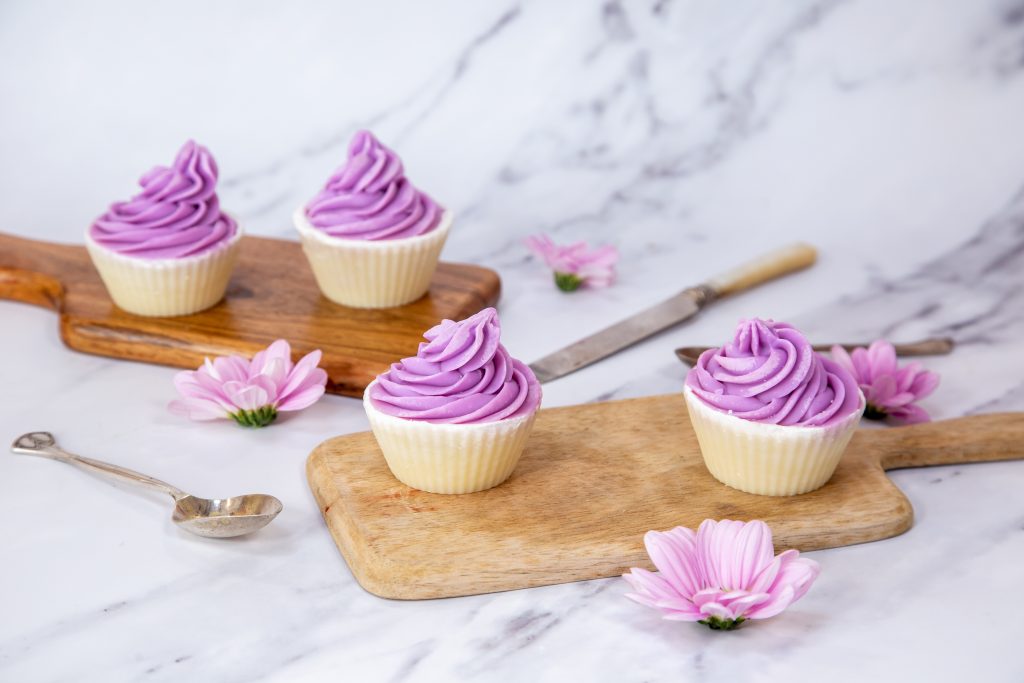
(217, 518)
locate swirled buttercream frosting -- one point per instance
(369, 198)
(177, 213)
(461, 374)
(769, 373)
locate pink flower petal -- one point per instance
(199, 385)
(742, 604)
(910, 414)
(714, 609)
(674, 554)
(247, 396)
(280, 351)
(883, 389)
(924, 384)
(308, 395)
(756, 552)
(766, 579)
(716, 544)
(842, 358)
(862, 366)
(231, 369)
(197, 409)
(905, 376)
(683, 616)
(225, 385)
(780, 600)
(676, 604)
(882, 356)
(275, 371)
(706, 595)
(596, 268)
(302, 375)
(727, 569)
(640, 598)
(652, 586)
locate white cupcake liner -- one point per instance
(372, 273)
(449, 458)
(768, 459)
(166, 287)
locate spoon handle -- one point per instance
(43, 444)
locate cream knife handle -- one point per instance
(768, 267)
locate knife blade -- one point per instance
(672, 311)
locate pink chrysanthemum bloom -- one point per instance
(576, 264)
(720, 576)
(250, 392)
(890, 390)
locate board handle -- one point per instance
(30, 270)
(976, 438)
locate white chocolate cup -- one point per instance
(372, 273)
(449, 458)
(768, 459)
(168, 286)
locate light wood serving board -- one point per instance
(594, 478)
(272, 295)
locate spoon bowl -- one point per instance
(225, 517)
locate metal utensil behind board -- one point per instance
(936, 346)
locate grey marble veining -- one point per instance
(692, 135)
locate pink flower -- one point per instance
(890, 390)
(576, 264)
(721, 576)
(250, 392)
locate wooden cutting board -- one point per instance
(594, 478)
(272, 295)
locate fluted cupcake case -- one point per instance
(372, 273)
(768, 459)
(449, 458)
(169, 286)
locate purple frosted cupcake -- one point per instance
(372, 239)
(170, 249)
(772, 416)
(455, 417)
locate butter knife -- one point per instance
(678, 308)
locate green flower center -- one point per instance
(568, 282)
(873, 412)
(717, 624)
(260, 417)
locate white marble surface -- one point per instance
(692, 135)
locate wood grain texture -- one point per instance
(594, 478)
(272, 295)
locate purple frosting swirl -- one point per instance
(461, 374)
(177, 214)
(770, 373)
(369, 198)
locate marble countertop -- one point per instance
(692, 136)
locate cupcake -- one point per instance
(372, 239)
(772, 416)
(455, 417)
(170, 249)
